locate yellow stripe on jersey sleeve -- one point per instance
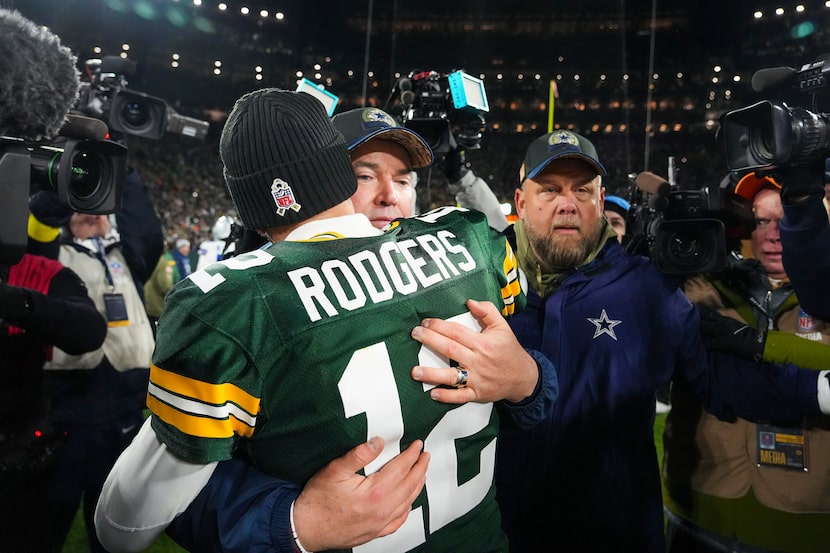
(201, 427)
(513, 288)
(199, 408)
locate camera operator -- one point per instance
(42, 304)
(790, 144)
(805, 234)
(776, 493)
(98, 398)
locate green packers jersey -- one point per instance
(302, 351)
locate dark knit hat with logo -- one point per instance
(558, 145)
(283, 160)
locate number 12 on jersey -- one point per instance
(368, 387)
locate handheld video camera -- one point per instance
(685, 232)
(445, 109)
(769, 134)
(127, 111)
(86, 174)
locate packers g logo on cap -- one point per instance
(563, 137)
(377, 118)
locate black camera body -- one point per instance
(87, 175)
(445, 109)
(770, 134)
(106, 97)
(686, 232)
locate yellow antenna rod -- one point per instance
(554, 93)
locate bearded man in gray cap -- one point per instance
(299, 352)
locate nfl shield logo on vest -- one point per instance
(806, 323)
(283, 197)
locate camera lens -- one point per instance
(135, 114)
(689, 248)
(762, 144)
(684, 245)
(813, 135)
(85, 176)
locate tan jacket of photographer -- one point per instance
(127, 346)
(713, 476)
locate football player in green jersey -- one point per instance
(235, 373)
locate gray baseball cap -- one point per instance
(557, 145)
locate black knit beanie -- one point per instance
(283, 160)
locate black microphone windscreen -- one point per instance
(404, 84)
(772, 77)
(407, 97)
(39, 82)
(653, 184)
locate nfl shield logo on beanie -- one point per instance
(283, 197)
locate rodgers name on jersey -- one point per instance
(302, 351)
(378, 275)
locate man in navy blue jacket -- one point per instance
(805, 235)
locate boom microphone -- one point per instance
(764, 79)
(38, 81)
(653, 184)
(656, 185)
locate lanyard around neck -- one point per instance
(101, 252)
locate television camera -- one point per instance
(106, 97)
(85, 171)
(445, 109)
(769, 136)
(685, 231)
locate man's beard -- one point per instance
(563, 250)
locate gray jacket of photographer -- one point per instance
(128, 345)
(473, 192)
